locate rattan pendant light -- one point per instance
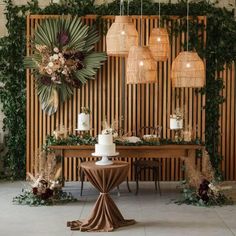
(188, 69)
(122, 35)
(141, 67)
(159, 44)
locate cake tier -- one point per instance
(105, 150)
(105, 139)
(176, 124)
(83, 122)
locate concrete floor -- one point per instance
(155, 215)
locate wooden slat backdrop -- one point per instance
(227, 123)
(141, 105)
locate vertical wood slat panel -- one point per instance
(104, 96)
(227, 123)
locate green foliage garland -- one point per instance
(220, 50)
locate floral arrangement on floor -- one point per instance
(46, 188)
(201, 188)
(63, 58)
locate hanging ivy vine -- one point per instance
(220, 50)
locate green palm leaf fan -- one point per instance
(63, 58)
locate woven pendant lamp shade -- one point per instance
(121, 36)
(159, 44)
(188, 71)
(141, 67)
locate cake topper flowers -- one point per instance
(62, 58)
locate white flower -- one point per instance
(56, 50)
(53, 78)
(132, 139)
(55, 56)
(107, 131)
(115, 134)
(51, 58)
(50, 64)
(62, 60)
(64, 72)
(20, 13)
(49, 70)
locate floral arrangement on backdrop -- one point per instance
(63, 58)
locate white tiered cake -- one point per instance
(83, 122)
(176, 123)
(105, 148)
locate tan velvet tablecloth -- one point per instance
(105, 215)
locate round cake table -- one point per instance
(105, 215)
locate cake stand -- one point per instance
(104, 161)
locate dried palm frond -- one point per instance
(65, 36)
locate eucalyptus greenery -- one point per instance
(87, 139)
(71, 140)
(191, 197)
(26, 197)
(220, 50)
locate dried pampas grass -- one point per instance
(46, 166)
(207, 169)
(195, 176)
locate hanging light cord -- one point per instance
(187, 23)
(159, 14)
(128, 8)
(141, 28)
(121, 7)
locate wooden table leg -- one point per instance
(62, 168)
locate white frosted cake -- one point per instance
(83, 122)
(176, 123)
(105, 146)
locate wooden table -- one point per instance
(161, 151)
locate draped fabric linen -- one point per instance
(105, 215)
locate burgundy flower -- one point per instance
(76, 83)
(79, 56)
(62, 38)
(48, 193)
(45, 80)
(79, 65)
(203, 190)
(35, 190)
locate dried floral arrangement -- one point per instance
(112, 128)
(45, 187)
(201, 188)
(178, 113)
(63, 58)
(85, 110)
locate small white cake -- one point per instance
(105, 146)
(176, 123)
(83, 122)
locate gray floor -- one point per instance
(155, 215)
